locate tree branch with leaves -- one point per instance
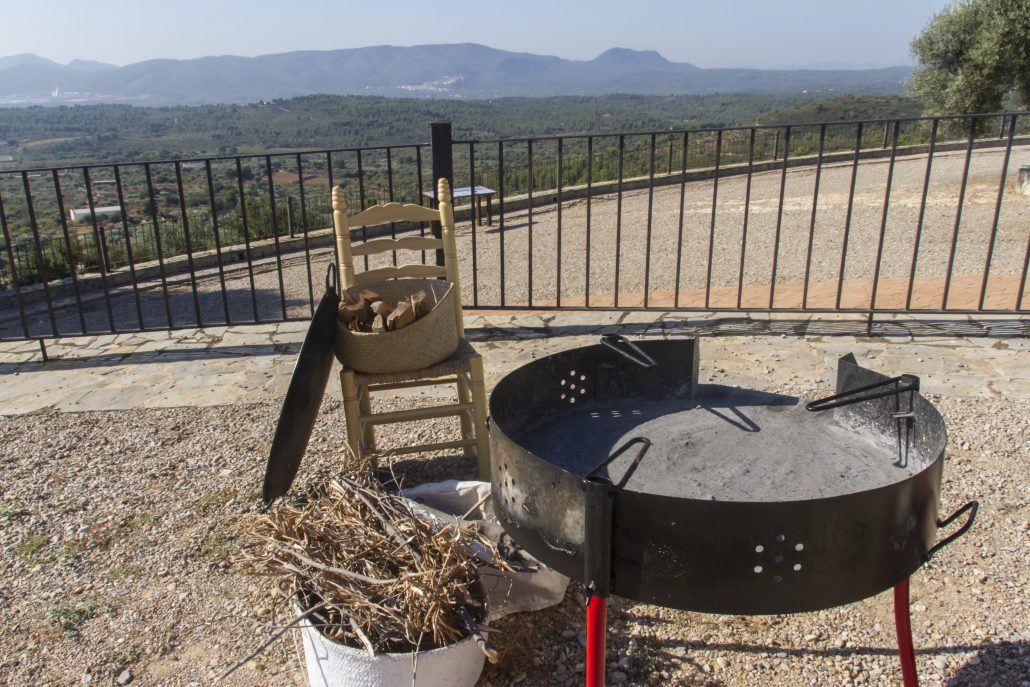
(974, 56)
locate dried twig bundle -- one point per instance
(389, 581)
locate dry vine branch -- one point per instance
(387, 580)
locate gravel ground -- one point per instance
(118, 529)
(772, 233)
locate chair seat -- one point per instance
(457, 363)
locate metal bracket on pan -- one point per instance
(901, 384)
(895, 386)
(598, 502)
(645, 444)
(634, 353)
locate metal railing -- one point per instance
(887, 216)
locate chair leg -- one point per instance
(368, 436)
(467, 431)
(479, 417)
(351, 411)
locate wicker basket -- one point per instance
(424, 342)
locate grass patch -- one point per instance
(125, 659)
(215, 547)
(9, 510)
(215, 499)
(30, 547)
(68, 616)
(122, 571)
(642, 666)
(136, 522)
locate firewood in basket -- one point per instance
(419, 303)
(354, 325)
(401, 316)
(378, 325)
(370, 295)
(383, 308)
(362, 311)
(345, 314)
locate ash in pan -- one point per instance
(724, 444)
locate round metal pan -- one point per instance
(719, 556)
(304, 395)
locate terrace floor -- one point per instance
(130, 460)
(253, 363)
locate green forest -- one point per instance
(173, 181)
(55, 136)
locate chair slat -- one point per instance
(425, 448)
(394, 212)
(402, 271)
(384, 245)
(424, 413)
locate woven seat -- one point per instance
(463, 368)
(455, 364)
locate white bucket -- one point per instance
(331, 664)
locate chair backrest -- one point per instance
(399, 212)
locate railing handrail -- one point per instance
(223, 209)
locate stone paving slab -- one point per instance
(253, 363)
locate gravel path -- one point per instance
(117, 528)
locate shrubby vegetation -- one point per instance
(217, 197)
(89, 134)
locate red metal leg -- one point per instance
(597, 625)
(903, 625)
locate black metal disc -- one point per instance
(304, 395)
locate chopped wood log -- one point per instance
(345, 314)
(383, 308)
(419, 303)
(354, 325)
(370, 295)
(378, 325)
(362, 311)
(401, 316)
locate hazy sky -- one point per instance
(727, 33)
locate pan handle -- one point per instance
(645, 444)
(972, 507)
(330, 277)
(633, 354)
(868, 392)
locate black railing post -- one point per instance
(289, 215)
(443, 167)
(100, 239)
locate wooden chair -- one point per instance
(464, 368)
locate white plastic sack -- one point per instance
(331, 664)
(507, 592)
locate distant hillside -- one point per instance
(97, 133)
(847, 108)
(428, 71)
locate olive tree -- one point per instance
(972, 55)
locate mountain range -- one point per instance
(464, 70)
